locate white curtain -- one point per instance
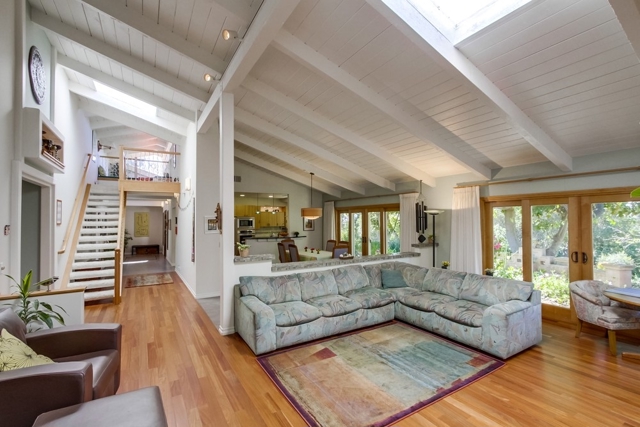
(466, 244)
(408, 234)
(329, 221)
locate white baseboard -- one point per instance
(208, 295)
(226, 331)
(186, 284)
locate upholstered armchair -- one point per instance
(87, 367)
(592, 306)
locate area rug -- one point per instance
(373, 377)
(147, 280)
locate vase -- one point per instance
(244, 253)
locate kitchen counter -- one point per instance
(269, 238)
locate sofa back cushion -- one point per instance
(412, 274)
(374, 272)
(10, 321)
(350, 277)
(489, 290)
(317, 284)
(445, 282)
(271, 289)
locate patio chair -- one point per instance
(592, 306)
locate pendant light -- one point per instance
(311, 213)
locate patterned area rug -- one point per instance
(373, 377)
(147, 280)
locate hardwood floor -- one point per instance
(211, 380)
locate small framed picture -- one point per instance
(58, 212)
(211, 225)
(308, 224)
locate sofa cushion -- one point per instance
(398, 293)
(371, 297)
(271, 289)
(294, 313)
(412, 274)
(350, 277)
(464, 312)
(15, 354)
(317, 284)
(489, 290)
(374, 274)
(334, 305)
(443, 281)
(392, 279)
(425, 301)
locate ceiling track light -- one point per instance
(209, 78)
(230, 35)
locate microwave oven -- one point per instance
(245, 222)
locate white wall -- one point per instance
(36, 37)
(156, 225)
(7, 88)
(184, 211)
(75, 128)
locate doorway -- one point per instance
(554, 239)
(30, 230)
(370, 230)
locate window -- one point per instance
(370, 230)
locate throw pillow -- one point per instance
(14, 354)
(392, 279)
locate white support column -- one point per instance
(227, 250)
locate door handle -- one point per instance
(574, 256)
(585, 258)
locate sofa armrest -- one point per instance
(255, 322)
(76, 339)
(510, 327)
(29, 392)
(536, 297)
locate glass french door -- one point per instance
(370, 230)
(552, 241)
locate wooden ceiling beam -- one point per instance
(268, 21)
(125, 87)
(50, 24)
(146, 26)
(340, 131)
(430, 41)
(296, 162)
(307, 56)
(256, 122)
(287, 173)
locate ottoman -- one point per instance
(140, 408)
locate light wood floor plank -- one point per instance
(211, 380)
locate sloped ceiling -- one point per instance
(364, 93)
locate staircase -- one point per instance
(94, 260)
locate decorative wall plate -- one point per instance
(37, 75)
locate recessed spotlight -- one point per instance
(242, 195)
(271, 197)
(208, 77)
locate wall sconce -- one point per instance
(230, 35)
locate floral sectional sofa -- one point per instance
(499, 316)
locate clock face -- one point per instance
(37, 75)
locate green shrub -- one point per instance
(553, 286)
(615, 258)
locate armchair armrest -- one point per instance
(29, 392)
(255, 322)
(76, 339)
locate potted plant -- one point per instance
(445, 264)
(488, 271)
(32, 311)
(243, 249)
(126, 238)
(430, 238)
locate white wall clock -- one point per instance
(37, 75)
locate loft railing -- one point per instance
(148, 165)
(119, 253)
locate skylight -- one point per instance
(460, 19)
(127, 99)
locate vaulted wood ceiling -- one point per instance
(364, 93)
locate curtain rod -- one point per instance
(542, 178)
